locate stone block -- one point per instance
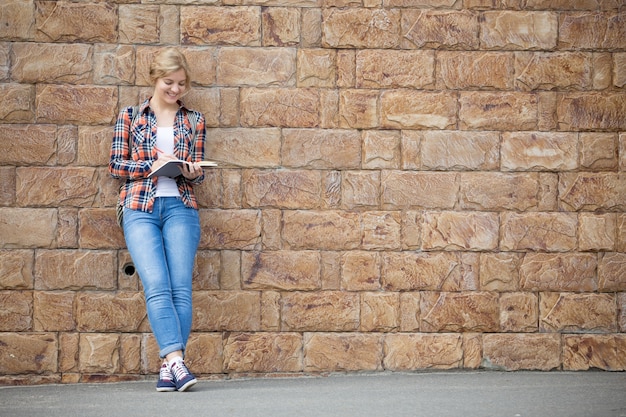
(76, 104)
(611, 270)
(619, 69)
(500, 271)
(475, 70)
(591, 111)
(17, 311)
(94, 145)
(7, 186)
(75, 270)
(263, 352)
(621, 311)
(297, 189)
(53, 311)
(554, 70)
(204, 353)
(68, 352)
(459, 312)
(381, 230)
(592, 30)
(597, 231)
(230, 275)
(410, 311)
(380, 312)
(411, 229)
(256, 66)
(316, 68)
(539, 151)
(405, 189)
(559, 272)
(415, 351)
(320, 148)
(514, 352)
(411, 109)
(281, 270)
(453, 150)
(451, 230)
(331, 275)
(110, 311)
(16, 269)
(381, 149)
(589, 352)
(322, 311)
(499, 191)
(270, 311)
(226, 311)
(311, 27)
(481, 110)
(207, 25)
(99, 353)
(230, 229)
(331, 189)
(517, 30)
(598, 151)
(281, 26)
(28, 227)
(207, 270)
(252, 148)
(17, 103)
(130, 353)
(385, 68)
(17, 20)
(360, 271)
(552, 232)
(280, 107)
(28, 353)
(358, 109)
(472, 350)
(577, 313)
(325, 230)
(30, 63)
(519, 312)
(441, 29)
(620, 240)
(271, 223)
(360, 189)
(592, 191)
(366, 28)
(426, 271)
(341, 352)
(98, 229)
(64, 21)
(139, 24)
(56, 186)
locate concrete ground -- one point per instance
(446, 394)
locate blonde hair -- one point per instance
(167, 61)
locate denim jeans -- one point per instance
(163, 247)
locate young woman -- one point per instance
(160, 214)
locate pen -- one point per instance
(158, 150)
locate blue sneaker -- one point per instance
(182, 377)
(166, 380)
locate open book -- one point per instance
(172, 168)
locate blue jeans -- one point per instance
(163, 247)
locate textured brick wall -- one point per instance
(404, 185)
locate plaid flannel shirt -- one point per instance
(133, 163)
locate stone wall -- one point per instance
(403, 185)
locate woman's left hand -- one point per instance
(191, 171)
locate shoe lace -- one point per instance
(180, 370)
(165, 373)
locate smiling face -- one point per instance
(171, 87)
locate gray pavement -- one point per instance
(447, 394)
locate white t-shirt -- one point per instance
(166, 186)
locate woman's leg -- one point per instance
(143, 234)
(181, 236)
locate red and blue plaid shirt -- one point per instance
(133, 163)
